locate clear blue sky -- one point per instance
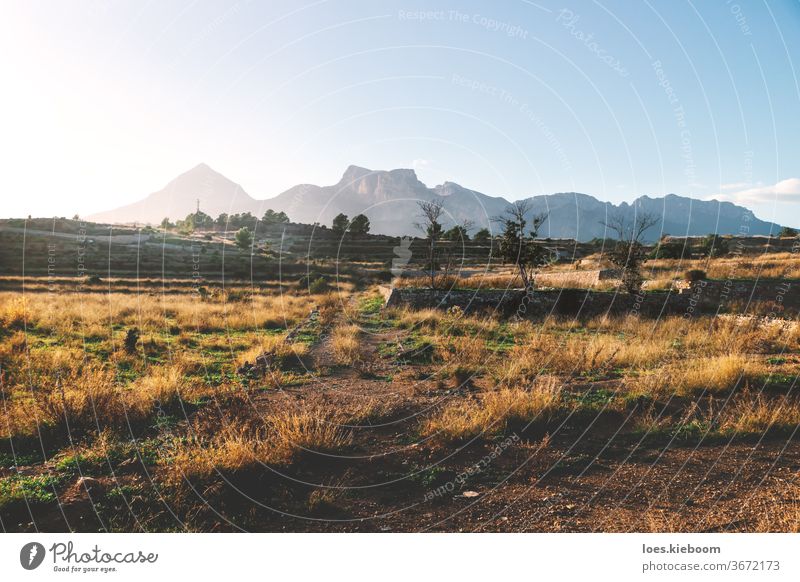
(104, 102)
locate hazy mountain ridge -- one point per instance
(216, 193)
(389, 198)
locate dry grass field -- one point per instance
(163, 407)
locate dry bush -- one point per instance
(14, 312)
(231, 449)
(283, 353)
(84, 399)
(162, 387)
(579, 354)
(702, 336)
(463, 358)
(330, 306)
(718, 374)
(428, 319)
(757, 415)
(240, 446)
(487, 280)
(304, 431)
(441, 281)
(465, 351)
(495, 412)
(12, 349)
(345, 344)
(714, 375)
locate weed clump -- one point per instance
(131, 339)
(694, 275)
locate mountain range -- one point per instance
(389, 199)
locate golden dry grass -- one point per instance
(70, 368)
(464, 351)
(494, 412)
(282, 352)
(53, 378)
(345, 344)
(757, 415)
(579, 354)
(163, 385)
(766, 266)
(714, 375)
(489, 280)
(661, 274)
(13, 310)
(240, 446)
(82, 396)
(330, 306)
(91, 314)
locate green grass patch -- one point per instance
(33, 489)
(593, 399)
(371, 304)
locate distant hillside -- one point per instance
(389, 199)
(216, 193)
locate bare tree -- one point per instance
(628, 253)
(633, 230)
(516, 246)
(430, 212)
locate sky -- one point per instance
(103, 102)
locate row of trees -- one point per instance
(224, 222)
(358, 226)
(712, 245)
(518, 245)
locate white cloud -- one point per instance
(735, 186)
(419, 164)
(784, 191)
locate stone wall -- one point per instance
(767, 298)
(576, 279)
(469, 300)
(770, 297)
(541, 302)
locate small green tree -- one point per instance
(166, 224)
(483, 235)
(667, 250)
(435, 231)
(360, 225)
(244, 238)
(272, 217)
(788, 232)
(221, 222)
(459, 233)
(340, 223)
(714, 245)
(196, 221)
(519, 247)
(430, 213)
